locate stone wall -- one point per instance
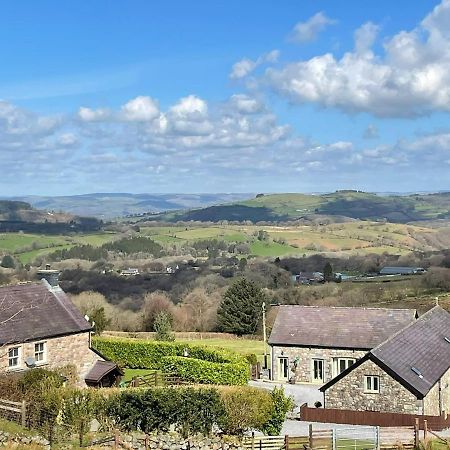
(60, 351)
(305, 356)
(438, 397)
(348, 393)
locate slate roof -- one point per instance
(101, 369)
(34, 311)
(422, 346)
(337, 327)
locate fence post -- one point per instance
(253, 440)
(416, 433)
(425, 429)
(378, 437)
(286, 442)
(310, 434)
(23, 411)
(116, 439)
(333, 438)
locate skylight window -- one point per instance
(417, 372)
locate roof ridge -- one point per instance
(350, 307)
(406, 327)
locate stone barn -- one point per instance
(313, 344)
(408, 373)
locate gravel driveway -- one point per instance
(307, 393)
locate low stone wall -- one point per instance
(168, 441)
(176, 442)
(8, 439)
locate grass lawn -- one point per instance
(242, 346)
(15, 428)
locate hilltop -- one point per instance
(337, 205)
(110, 205)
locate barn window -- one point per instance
(372, 384)
(13, 357)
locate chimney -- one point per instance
(50, 275)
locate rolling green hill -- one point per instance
(350, 204)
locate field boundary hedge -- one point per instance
(193, 363)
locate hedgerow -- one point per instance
(234, 409)
(205, 372)
(201, 365)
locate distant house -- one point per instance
(313, 344)
(130, 272)
(407, 373)
(402, 270)
(309, 277)
(40, 327)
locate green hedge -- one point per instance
(205, 372)
(203, 365)
(234, 410)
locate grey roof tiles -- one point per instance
(33, 311)
(337, 327)
(419, 354)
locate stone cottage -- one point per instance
(409, 373)
(40, 327)
(313, 344)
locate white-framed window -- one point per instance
(341, 364)
(372, 384)
(40, 354)
(14, 357)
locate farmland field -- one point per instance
(27, 247)
(356, 237)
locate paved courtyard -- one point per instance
(307, 393)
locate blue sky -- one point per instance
(224, 96)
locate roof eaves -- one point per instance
(47, 336)
(334, 347)
(344, 373)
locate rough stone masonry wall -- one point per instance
(348, 393)
(305, 355)
(431, 403)
(60, 351)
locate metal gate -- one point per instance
(356, 438)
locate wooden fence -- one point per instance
(275, 442)
(155, 379)
(16, 411)
(374, 418)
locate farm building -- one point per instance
(40, 327)
(402, 270)
(408, 373)
(313, 344)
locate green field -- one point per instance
(27, 247)
(356, 237)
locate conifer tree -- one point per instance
(240, 310)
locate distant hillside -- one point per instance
(21, 216)
(351, 204)
(109, 205)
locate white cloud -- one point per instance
(15, 121)
(245, 67)
(141, 109)
(190, 107)
(410, 78)
(308, 31)
(245, 104)
(93, 115)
